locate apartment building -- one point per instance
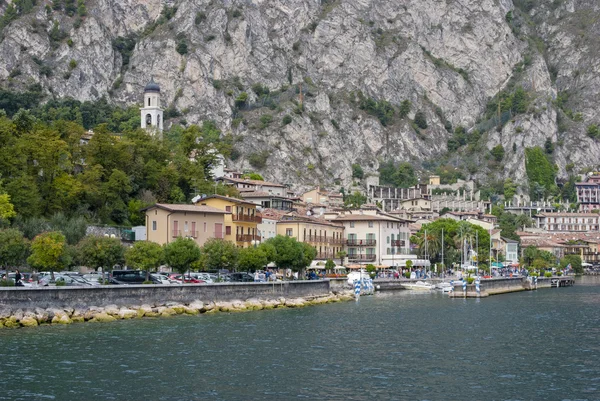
(240, 222)
(588, 193)
(570, 222)
(327, 237)
(167, 222)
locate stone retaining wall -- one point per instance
(121, 295)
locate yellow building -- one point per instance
(240, 221)
(166, 222)
(326, 237)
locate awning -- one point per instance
(497, 265)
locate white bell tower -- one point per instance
(152, 114)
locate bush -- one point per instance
(381, 109)
(258, 160)
(498, 153)
(287, 119)
(7, 283)
(547, 274)
(265, 120)
(421, 120)
(470, 280)
(148, 282)
(593, 131)
(182, 47)
(357, 171)
(72, 64)
(241, 100)
(200, 16)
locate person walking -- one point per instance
(18, 277)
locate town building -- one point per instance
(167, 222)
(565, 221)
(322, 197)
(267, 200)
(327, 237)
(473, 216)
(588, 193)
(248, 185)
(391, 198)
(376, 237)
(241, 221)
(152, 113)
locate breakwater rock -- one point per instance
(15, 318)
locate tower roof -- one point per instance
(152, 86)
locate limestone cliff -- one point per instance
(320, 60)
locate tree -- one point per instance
(181, 254)
(510, 189)
(421, 120)
(404, 108)
(574, 261)
(47, 249)
(7, 209)
(405, 177)
(357, 171)
(220, 254)
(13, 248)
(289, 254)
(498, 153)
(144, 255)
(355, 200)
(101, 252)
(309, 253)
(251, 259)
(329, 265)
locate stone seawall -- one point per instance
(120, 295)
(64, 305)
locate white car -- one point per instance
(163, 278)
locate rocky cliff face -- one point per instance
(319, 58)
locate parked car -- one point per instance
(187, 279)
(131, 277)
(202, 276)
(60, 279)
(241, 277)
(163, 278)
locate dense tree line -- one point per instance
(46, 166)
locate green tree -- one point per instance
(309, 253)
(288, 252)
(421, 120)
(101, 252)
(144, 255)
(574, 261)
(405, 176)
(7, 209)
(404, 108)
(251, 259)
(47, 250)
(220, 254)
(541, 172)
(181, 254)
(357, 171)
(498, 152)
(355, 200)
(329, 265)
(510, 189)
(13, 248)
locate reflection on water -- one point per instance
(393, 346)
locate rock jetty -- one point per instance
(110, 313)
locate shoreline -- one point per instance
(13, 319)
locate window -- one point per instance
(388, 240)
(185, 226)
(289, 232)
(148, 101)
(154, 225)
(204, 226)
(193, 229)
(228, 209)
(227, 230)
(370, 224)
(351, 224)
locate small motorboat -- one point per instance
(419, 286)
(444, 287)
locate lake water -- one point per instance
(539, 345)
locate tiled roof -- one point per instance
(227, 198)
(187, 208)
(365, 217)
(261, 194)
(568, 214)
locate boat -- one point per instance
(419, 286)
(444, 287)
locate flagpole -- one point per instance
(443, 269)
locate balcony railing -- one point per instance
(337, 241)
(324, 255)
(361, 242)
(246, 218)
(398, 242)
(362, 258)
(247, 237)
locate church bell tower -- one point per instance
(152, 114)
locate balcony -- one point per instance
(362, 258)
(398, 243)
(246, 218)
(247, 237)
(336, 241)
(361, 242)
(324, 255)
(316, 238)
